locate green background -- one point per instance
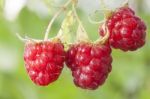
(129, 79)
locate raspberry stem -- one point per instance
(76, 15)
(54, 18)
(95, 22)
(105, 38)
(103, 5)
(125, 3)
(21, 38)
(26, 38)
(107, 12)
(81, 32)
(65, 32)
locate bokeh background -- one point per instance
(129, 79)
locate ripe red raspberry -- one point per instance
(90, 64)
(44, 61)
(127, 31)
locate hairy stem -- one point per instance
(104, 39)
(53, 19)
(125, 3)
(103, 4)
(95, 22)
(21, 38)
(83, 35)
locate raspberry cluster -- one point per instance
(89, 62)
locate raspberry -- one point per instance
(44, 61)
(127, 31)
(90, 64)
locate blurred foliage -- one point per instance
(129, 78)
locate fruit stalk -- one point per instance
(53, 19)
(105, 38)
(125, 3)
(103, 4)
(81, 33)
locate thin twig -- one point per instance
(53, 19)
(21, 38)
(95, 22)
(125, 3)
(105, 38)
(81, 28)
(103, 5)
(77, 17)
